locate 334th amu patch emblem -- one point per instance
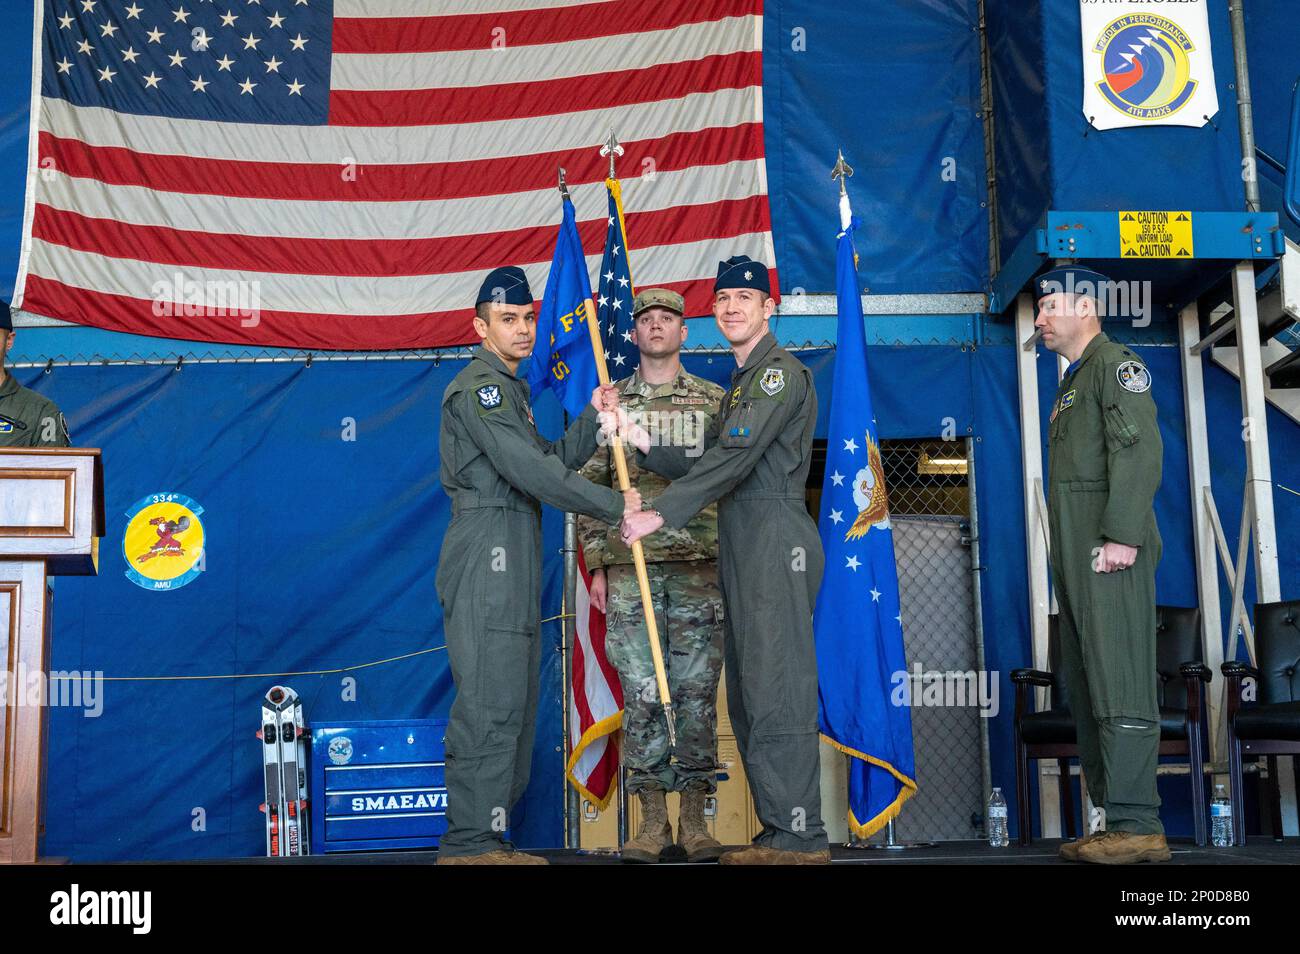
(489, 396)
(1133, 377)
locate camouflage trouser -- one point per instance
(688, 609)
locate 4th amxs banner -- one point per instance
(1147, 63)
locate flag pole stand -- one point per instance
(890, 843)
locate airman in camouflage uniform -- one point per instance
(682, 566)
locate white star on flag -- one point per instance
(850, 445)
(853, 564)
(875, 595)
(838, 479)
(837, 517)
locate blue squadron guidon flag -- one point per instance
(342, 173)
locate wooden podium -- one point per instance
(51, 519)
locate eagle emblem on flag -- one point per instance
(869, 494)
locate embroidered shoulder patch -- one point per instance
(772, 381)
(1134, 377)
(489, 397)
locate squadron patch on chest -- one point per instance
(1066, 401)
(773, 381)
(1133, 377)
(489, 396)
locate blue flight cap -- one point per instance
(6, 318)
(1072, 279)
(507, 285)
(741, 271)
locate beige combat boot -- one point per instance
(497, 857)
(762, 855)
(655, 834)
(1070, 850)
(692, 832)
(1124, 848)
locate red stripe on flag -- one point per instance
(479, 31)
(390, 183)
(479, 104)
(283, 329)
(382, 257)
(280, 329)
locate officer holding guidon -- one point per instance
(1104, 463)
(497, 470)
(27, 419)
(683, 572)
(770, 561)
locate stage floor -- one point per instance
(1259, 851)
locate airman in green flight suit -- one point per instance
(1104, 466)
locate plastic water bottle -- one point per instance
(1221, 819)
(997, 820)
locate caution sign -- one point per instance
(1155, 235)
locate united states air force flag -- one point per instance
(858, 624)
(562, 357)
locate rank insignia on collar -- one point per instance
(1134, 377)
(489, 396)
(773, 381)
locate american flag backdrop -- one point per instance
(341, 174)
